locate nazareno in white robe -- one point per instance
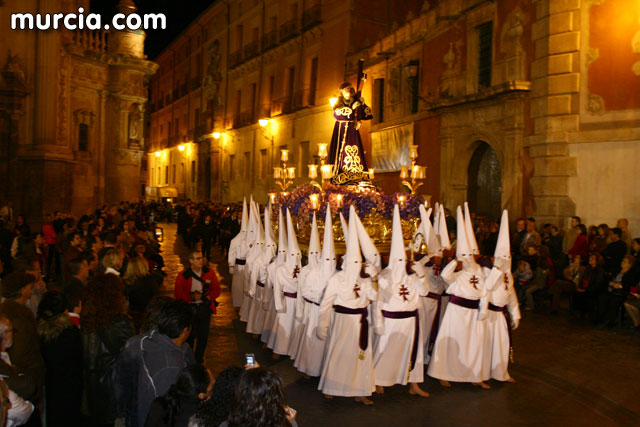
(393, 342)
(500, 293)
(346, 370)
(311, 349)
(458, 353)
(429, 307)
(268, 305)
(237, 251)
(255, 321)
(253, 254)
(283, 324)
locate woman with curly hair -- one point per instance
(259, 402)
(215, 410)
(174, 409)
(105, 329)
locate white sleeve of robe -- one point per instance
(326, 307)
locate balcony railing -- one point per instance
(243, 119)
(282, 106)
(288, 30)
(195, 82)
(270, 40)
(235, 58)
(251, 50)
(311, 17)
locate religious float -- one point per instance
(346, 180)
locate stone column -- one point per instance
(554, 106)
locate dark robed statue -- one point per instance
(346, 153)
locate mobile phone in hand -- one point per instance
(249, 359)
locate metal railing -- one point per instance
(311, 17)
(288, 30)
(251, 50)
(270, 40)
(235, 58)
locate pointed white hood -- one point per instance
(397, 267)
(244, 222)
(293, 250)
(314, 243)
(260, 240)
(436, 219)
(269, 238)
(468, 228)
(443, 232)
(253, 234)
(433, 243)
(502, 256)
(328, 258)
(352, 264)
(345, 227)
(371, 254)
(463, 250)
(282, 239)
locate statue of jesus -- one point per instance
(346, 153)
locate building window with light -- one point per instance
(485, 54)
(193, 171)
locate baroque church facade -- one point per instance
(72, 107)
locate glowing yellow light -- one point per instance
(333, 101)
(158, 154)
(216, 135)
(263, 122)
(181, 147)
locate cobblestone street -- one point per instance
(567, 372)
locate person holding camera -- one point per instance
(199, 286)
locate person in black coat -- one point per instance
(592, 286)
(61, 347)
(614, 252)
(105, 328)
(140, 287)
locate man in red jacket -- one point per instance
(199, 286)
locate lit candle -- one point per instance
(326, 171)
(313, 198)
(291, 173)
(284, 194)
(404, 172)
(401, 201)
(413, 151)
(313, 171)
(415, 171)
(371, 175)
(272, 197)
(322, 150)
(277, 172)
(285, 156)
(333, 101)
(339, 199)
(422, 173)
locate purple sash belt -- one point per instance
(416, 332)
(496, 308)
(503, 310)
(464, 302)
(241, 261)
(291, 294)
(364, 322)
(310, 302)
(433, 295)
(259, 283)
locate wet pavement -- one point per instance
(568, 373)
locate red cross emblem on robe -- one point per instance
(404, 292)
(356, 290)
(474, 281)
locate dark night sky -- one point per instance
(179, 13)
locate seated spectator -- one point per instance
(611, 301)
(259, 401)
(61, 347)
(215, 410)
(539, 280)
(164, 353)
(177, 406)
(632, 305)
(25, 352)
(592, 286)
(581, 244)
(23, 385)
(105, 328)
(572, 279)
(139, 287)
(521, 278)
(614, 252)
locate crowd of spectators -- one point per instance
(87, 338)
(592, 271)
